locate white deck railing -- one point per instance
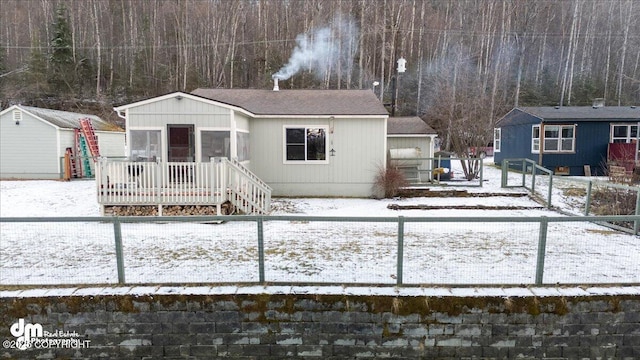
(181, 183)
(246, 191)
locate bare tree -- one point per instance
(518, 51)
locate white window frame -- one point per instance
(535, 145)
(163, 135)
(535, 141)
(240, 151)
(201, 130)
(306, 129)
(497, 139)
(628, 138)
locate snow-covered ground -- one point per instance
(303, 251)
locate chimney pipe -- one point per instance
(275, 84)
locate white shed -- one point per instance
(411, 142)
(33, 141)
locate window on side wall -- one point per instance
(557, 139)
(305, 145)
(497, 135)
(624, 133)
(242, 141)
(535, 139)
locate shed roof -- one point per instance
(298, 102)
(67, 119)
(408, 125)
(584, 113)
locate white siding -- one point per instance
(360, 152)
(111, 144)
(404, 142)
(28, 150)
(174, 111)
(242, 121)
(426, 150)
(67, 139)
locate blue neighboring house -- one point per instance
(565, 139)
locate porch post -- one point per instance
(215, 184)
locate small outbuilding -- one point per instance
(410, 143)
(33, 141)
(572, 140)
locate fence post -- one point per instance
(261, 249)
(505, 172)
(587, 205)
(117, 231)
(524, 173)
(400, 250)
(550, 191)
(533, 179)
(542, 245)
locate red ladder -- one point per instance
(90, 137)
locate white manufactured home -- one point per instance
(244, 146)
(33, 141)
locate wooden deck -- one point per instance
(181, 183)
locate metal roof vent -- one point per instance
(598, 103)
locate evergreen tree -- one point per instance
(36, 78)
(62, 77)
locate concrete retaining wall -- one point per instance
(324, 326)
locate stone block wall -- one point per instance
(325, 327)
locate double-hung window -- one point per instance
(497, 134)
(535, 139)
(557, 138)
(624, 133)
(305, 144)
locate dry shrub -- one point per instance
(612, 201)
(388, 182)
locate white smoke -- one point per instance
(326, 50)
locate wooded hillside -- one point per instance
(465, 58)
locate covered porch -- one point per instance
(214, 183)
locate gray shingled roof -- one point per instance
(584, 112)
(298, 102)
(408, 126)
(68, 120)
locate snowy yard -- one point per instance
(304, 251)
